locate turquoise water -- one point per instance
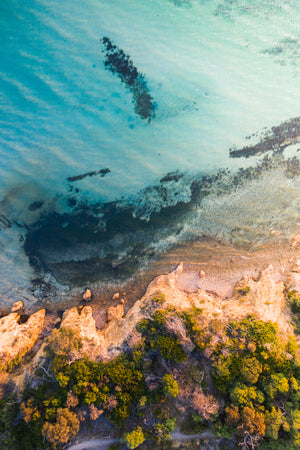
(216, 71)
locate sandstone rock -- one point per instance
(100, 318)
(17, 339)
(296, 266)
(116, 296)
(295, 239)
(293, 281)
(83, 323)
(105, 342)
(115, 313)
(17, 305)
(87, 295)
(264, 299)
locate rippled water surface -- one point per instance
(115, 118)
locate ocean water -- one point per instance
(91, 188)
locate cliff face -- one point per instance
(262, 298)
(16, 339)
(97, 342)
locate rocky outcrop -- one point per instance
(17, 338)
(95, 342)
(293, 278)
(84, 325)
(262, 297)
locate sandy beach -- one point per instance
(222, 265)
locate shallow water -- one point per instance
(84, 184)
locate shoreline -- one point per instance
(220, 282)
(223, 264)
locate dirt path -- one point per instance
(102, 444)
(99, 444)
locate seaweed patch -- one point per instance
(4, 222)
(172, 176)
(120, 64)
(287, 52)
(35, 206)
(101, 172)
(182, 3)
(276, 140)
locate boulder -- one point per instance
(17, 305)
(87, 295)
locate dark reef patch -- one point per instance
(276, 140)
(35, 206)
(171, 176)
(5, 222)
(101, 172)
(111, 248)
(111, 242)
(182, 3)
(120, 64)
(286, 52)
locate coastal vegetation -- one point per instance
(239, 379)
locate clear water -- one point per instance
(217, 71)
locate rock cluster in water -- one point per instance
(120, 64)
(277, 139)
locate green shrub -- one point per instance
(192, 424)
(158, 299)
(251, 369)
(273, 420)
(134, 438)
(169, 348)
(244, 291)
(294, 299)
(170, 386)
